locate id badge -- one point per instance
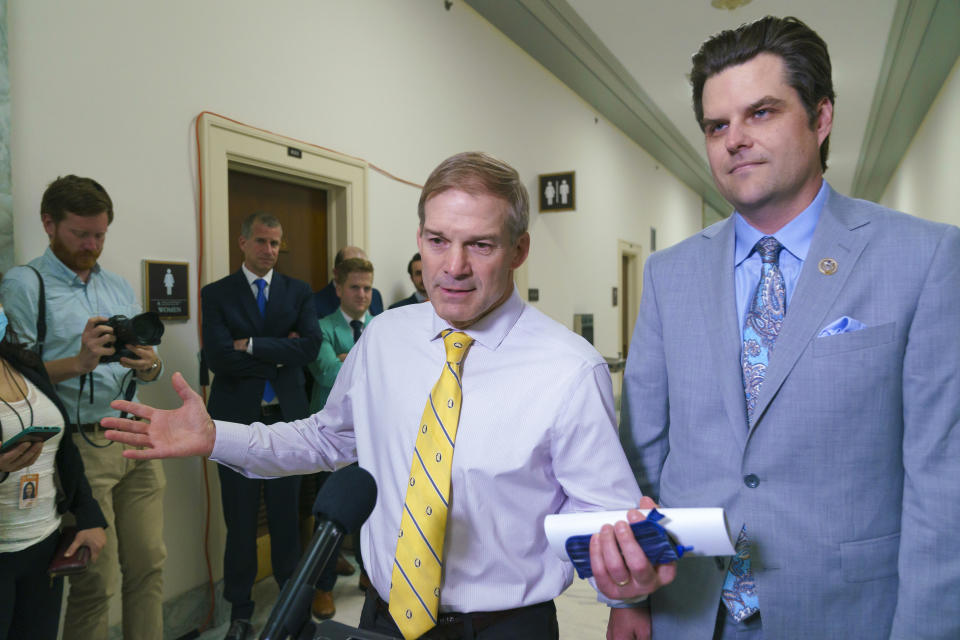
(29, 486)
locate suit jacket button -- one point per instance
(751, 480)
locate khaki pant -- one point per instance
(130, 493)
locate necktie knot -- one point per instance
(769, 249)
(456, 343)
(357, 327)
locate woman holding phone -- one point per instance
(39, 481)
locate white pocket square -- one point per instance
(843, 324)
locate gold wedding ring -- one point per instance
(624, 583)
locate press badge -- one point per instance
(29, 485)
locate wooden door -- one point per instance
(302, 211)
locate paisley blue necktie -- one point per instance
(760, 330)
(268, 392)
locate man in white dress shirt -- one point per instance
(536, 430)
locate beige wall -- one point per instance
(925, 184)
(110, 89)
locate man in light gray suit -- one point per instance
(809, 384)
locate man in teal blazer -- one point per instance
(353, 279)
(843, 471)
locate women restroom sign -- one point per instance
(167, 289)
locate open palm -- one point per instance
(162, 433)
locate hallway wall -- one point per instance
(925, 184)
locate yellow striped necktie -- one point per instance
(418, 565)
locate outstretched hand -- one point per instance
(620, 567)
(177, 433)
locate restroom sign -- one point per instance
(167, 289)
(557, 191)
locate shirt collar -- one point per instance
(366, 316)
(251, 276)
(63, 271)
(795, 236)
(491, 329)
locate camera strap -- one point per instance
(128, 393)
(41, 313)
(83, 434)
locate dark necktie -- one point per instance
(268, 393)
(760, 330)
(357, 326)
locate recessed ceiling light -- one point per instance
(730, 5)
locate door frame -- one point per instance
(226, 144)
(634, 252)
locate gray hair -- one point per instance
(479, 173)
(260, 217)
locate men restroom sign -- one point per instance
(167, 285)
(557, 191)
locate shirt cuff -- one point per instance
(616, 604)
(154, 378)
(231, 444)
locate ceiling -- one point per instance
(630, 58)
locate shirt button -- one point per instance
(751, 480)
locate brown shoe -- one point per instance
(344, 568)
(323, 607)
(364, 582)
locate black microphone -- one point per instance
(343, 504)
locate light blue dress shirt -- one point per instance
(795, 237)
(70, 303)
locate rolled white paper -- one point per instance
(703, 529)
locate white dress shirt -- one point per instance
(252, 281)
(536, 436)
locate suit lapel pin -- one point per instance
(827, 266)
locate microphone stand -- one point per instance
(292, 610)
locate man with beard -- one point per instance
(79, 297)
(415, 269)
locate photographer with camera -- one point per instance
(86, 325)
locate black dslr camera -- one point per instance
(144, 329)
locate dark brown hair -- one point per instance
(416, 258)
(804, 54)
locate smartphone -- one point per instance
(30, 434)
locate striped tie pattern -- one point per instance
(760, 330)
(418, 565)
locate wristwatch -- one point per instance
(147, 372)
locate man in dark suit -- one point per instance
(326, 301)
(415, 269)
(259, 331)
